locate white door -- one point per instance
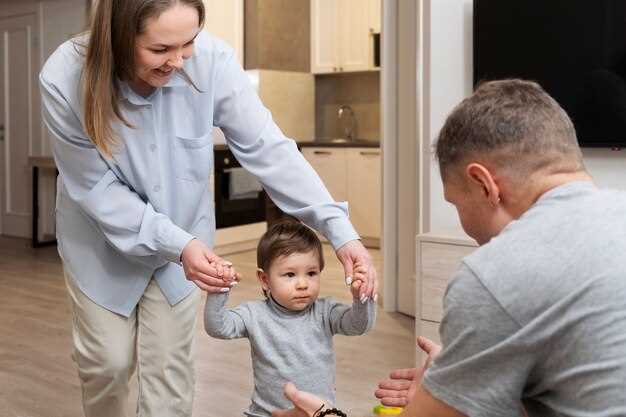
(19, 113)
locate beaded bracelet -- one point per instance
(332, 411)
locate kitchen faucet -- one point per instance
(349, 131)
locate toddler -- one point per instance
(291, 331)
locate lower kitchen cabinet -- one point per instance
(330, 165)
(438, 259)
(353, 175)
(364, 192)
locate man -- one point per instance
(535, 319)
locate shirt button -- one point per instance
(153, 147)
(156, 188)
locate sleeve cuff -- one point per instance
(340, 231)
(174, 245)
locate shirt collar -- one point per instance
(274, 305)
(127, 93)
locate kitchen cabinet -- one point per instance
(224, 19)
(342, 35)
(324, 34)
(330, 165)
(375, 15)
(353, 175)
(364, 192)
(438, 259)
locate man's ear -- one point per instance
(263, 279)
(481, 176)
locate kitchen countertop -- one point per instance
(323, 144)
(348, 144)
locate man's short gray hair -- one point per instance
(514, 125)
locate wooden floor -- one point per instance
(38, 377)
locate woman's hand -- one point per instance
(400, 387)
(207, 270)
(354, 254)
(305, 404)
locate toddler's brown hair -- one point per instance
(286, 238)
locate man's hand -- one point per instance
(352, 254)
(207, 270)
(305, 404)
(400, 387)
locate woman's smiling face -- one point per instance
(165, 42)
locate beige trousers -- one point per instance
(156, 340)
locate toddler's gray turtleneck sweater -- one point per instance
(287, 345)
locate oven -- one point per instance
(239, 197)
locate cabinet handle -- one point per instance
(1, 133)
(322, 153)
(370, 153)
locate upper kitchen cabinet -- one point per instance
(343, 35)
(324, 36)
(224, 19)
(375, 15)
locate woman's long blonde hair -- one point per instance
(110, 56)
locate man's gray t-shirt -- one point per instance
(539, 314)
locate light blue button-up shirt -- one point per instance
(125, 219)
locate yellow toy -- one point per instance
(381, 410)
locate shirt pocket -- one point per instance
(194, 157)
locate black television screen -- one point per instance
(576, 50)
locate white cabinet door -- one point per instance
(354, 36)
(224, 19)
(19, 116)
(375, 15)
(364, 192)
(430, 330)
(324, 36)
(330, 165)
(438, 258)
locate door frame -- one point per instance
(402, 124)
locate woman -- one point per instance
(131, 106)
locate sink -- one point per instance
(346, 141)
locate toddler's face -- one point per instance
(293, 280)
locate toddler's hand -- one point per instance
(227, 272)
(359, 278)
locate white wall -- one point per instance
(607, 167)
(60, 21)
(449, 80)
